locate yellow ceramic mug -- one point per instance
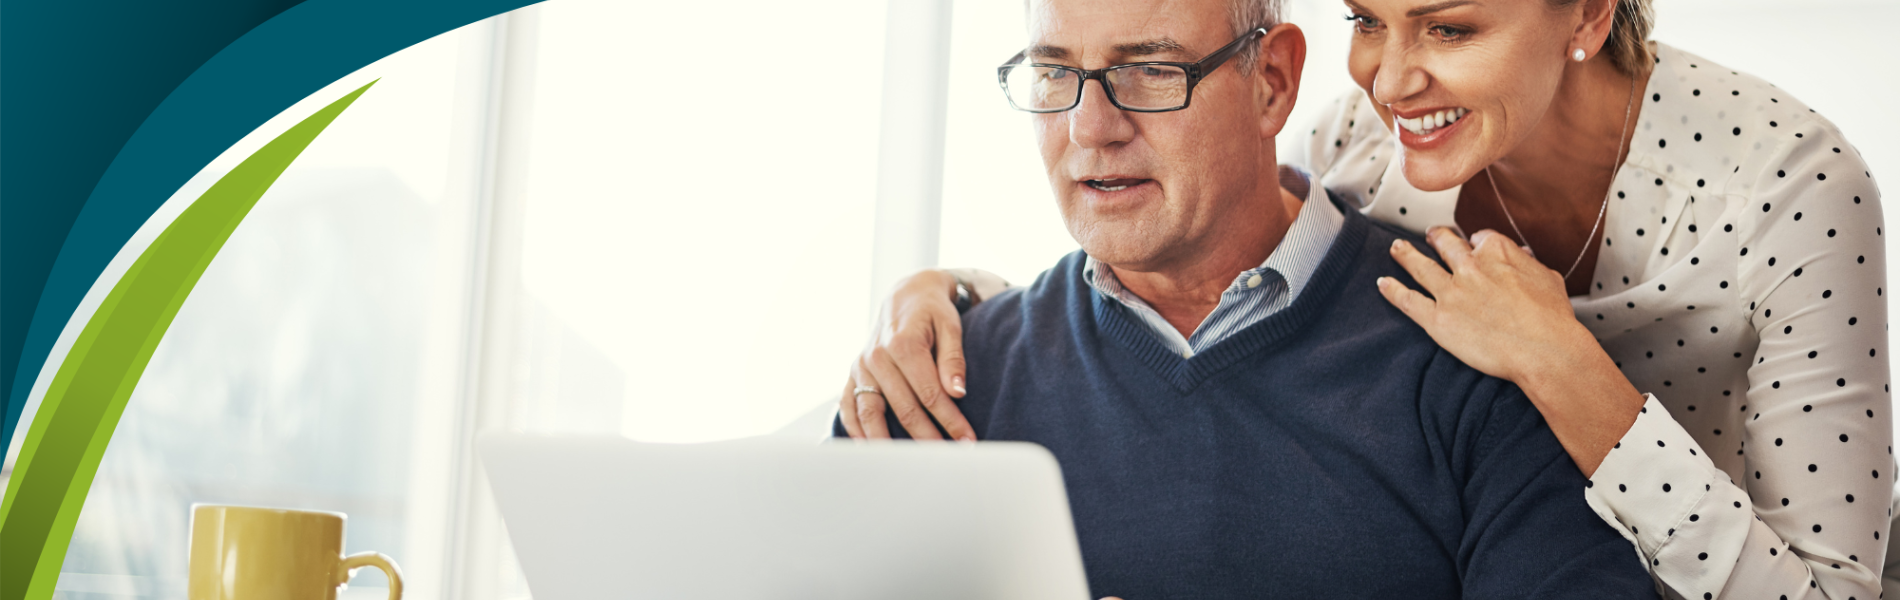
(243, 553)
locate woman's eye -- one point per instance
(1363, 23)
(1447, 33)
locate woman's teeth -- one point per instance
(1100, 185)
(1425, 124)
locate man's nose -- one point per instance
(1096, 122)
(1399, 76)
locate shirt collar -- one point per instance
(1296, 258)
(1311, 235)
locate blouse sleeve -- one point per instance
(1808, 518)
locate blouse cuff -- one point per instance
(1658, 487)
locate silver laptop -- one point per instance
(606, 517)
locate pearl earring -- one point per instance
(1578, 55)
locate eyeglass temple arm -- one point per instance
(1219, 57)
(1020, 55)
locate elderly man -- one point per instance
(1319, 444)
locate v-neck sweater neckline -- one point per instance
(1185, 374)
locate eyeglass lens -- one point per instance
(1137, 87)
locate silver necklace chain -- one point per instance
(1598, 223)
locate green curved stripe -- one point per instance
(82, 406)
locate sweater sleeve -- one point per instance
(1528, 533)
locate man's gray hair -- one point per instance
(1245, 16)
(1248, 15)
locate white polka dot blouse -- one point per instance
(1741, 285)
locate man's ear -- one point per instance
(1598, 18)
(1281, 59)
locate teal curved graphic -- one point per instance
(283, 60)
(82, 406)
(62, 131)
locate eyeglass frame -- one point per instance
(1196, 71)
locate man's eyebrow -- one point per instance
(1142, 48)
(1432, 8)
(1149, 47)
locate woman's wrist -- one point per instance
(1565, 357)
(1583, 395)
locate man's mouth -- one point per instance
(1113, 185)
(1430, 122)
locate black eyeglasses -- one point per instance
(1137, 87)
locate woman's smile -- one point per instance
(1427, 130)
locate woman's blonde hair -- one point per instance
(1628, 44)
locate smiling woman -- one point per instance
(1703, 304)
(1539, 138)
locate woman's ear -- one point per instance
(1282, 57)
(1598, 19)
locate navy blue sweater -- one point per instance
(1330, 451)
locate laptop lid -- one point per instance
(607, 517)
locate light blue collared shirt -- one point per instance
(1256, 293)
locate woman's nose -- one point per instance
(1399, 76)
(1096, 122)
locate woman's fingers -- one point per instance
(950, 374)
(950, 365)
(1494, 246)
(848, 411)
(1426, 271)
(898, 393)
(915, 362)
(1455, 250)
(870, 412)
(1483, 239)
(1416, 306)
(918, 324)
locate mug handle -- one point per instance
(373, 559)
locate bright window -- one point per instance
(698, 207)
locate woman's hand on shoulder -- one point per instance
(1498, 309)
(1502, 312)
(915, 361)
